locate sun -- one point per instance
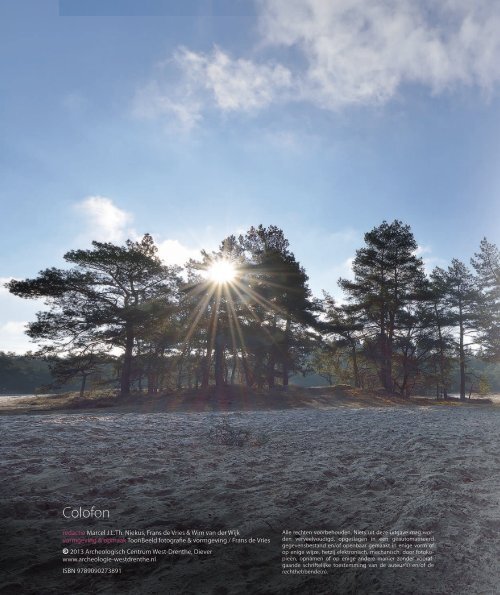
(222, 271)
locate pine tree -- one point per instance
(102, 302)
(487, 266)
(346, 323)
(461, 300)
(280, 302)
(387, 280)
(443, 342)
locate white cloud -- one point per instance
(14, 312)
(173, 252)
(235, 84)
(422, 250)
(360, 52)
(211, 80)
(105, 221)
(14, 327)
(13, 337)
(336, 54)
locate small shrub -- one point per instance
(259, 439)
(227, 435)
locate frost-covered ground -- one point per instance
(433, 468)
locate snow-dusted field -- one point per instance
(434, 468)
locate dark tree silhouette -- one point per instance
(260, 324)
(346, 323)
(487, 266)
(279, 302)
(102, 302)
(461, 300)
(387, 278)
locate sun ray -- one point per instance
(224, 283)
(258, 298)
(198, 313)
(254, 314)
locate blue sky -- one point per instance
(323, 118)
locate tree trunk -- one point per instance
(205, 375)
(219, 360)
(386, 364)
(461, 354)
(82, 386)
(233, 370)
(442, 376)
(285, 373)
(259, 370)
(286, 356)
(152, 383)
(210, 345)
(271, 362)
(355, 365)
(180, 370)
(248, 374)
(270, 370)
(127, 360)
(389, 382)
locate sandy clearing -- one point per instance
(402, 468)
(229, 399)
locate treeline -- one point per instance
(30, 374)
(245, 314)
(22, 374)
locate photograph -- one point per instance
(249, 297)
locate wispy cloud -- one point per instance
(359, 53)
(334, 55)
(422, 250)
(177, 106)
(104, 221)
(214, 80)
(234, 84)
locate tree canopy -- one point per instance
(103, 302)
(245, 314)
